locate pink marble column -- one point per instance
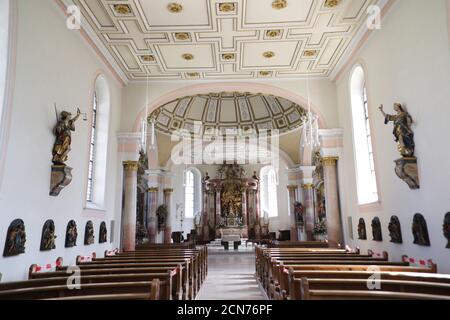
(168, 228)
(257, 215)
(129, 206)
(151, 218)
(244, 207)
(334, 224)
(211, 211)
(308, 206)
(292, 199)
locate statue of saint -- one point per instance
(404, 136)
(62, 131)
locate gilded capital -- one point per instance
(292, 187)
(130, 165)
(153, 190)
(168, 190)
(307, 186)
(330, 161)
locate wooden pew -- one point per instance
(422, 287)
(166, 274)
(295, 278)
(92, 291)
(371, 295)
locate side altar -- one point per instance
(230, 204)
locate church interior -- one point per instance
(224, 150)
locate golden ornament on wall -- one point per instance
(227, 7)
(269, 54)
(182, 36)
(122, 9)
(273, 33)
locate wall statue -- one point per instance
(71, 234)
(15, 239)
(446, 229)
(362, 234)
(376, 229)
(420, 231)
(161, 214)
(395, 231)
(48, 236)
(103, 234)
(89, 237)
(406, 167)
(61, 175)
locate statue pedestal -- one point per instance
(60, 178)
(406, 169)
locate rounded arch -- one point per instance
(221, 87)
(197, 191)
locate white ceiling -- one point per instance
(223, 44)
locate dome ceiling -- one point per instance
(231, 113)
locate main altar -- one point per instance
(231, 204)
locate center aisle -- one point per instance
(231, 276)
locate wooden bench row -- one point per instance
(303, 274)
(174, 273)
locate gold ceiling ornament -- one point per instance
(182, 36)
(273, 33)
(332, 3)
(227, 7)
(174, 7)
(122, 8)
(148, 58)
(228, 56)
(193, 74)
(265, 73)
(279, 4)
(188, 56)
(309, 53)
(269, 54)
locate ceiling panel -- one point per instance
(219, 39)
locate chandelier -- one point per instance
(310, 125)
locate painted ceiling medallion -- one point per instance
(174, 7)
(309, 53)
(182, 36)
(193, 74)
(269, 54)
(228, 56)
(122, 9)
(148, 58)
(188, 56)
(279, 4)
(273, 33)
(332, 3)
(227, 7)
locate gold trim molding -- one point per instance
(130, 165)
(330, 161)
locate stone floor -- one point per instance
(231, 276)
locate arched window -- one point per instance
(98, 145)
(269, 194)
(192, 193)
(362, 139)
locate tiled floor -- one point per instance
(231, 277)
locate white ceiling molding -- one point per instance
(227, 40)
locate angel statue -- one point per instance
(404, 136)
(62, 131)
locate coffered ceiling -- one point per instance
(223, 39)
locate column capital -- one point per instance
(131, 165)
(307, 186)
(153, 189)
(292, 187)
(168, 190)
(330, 161)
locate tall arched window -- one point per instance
(269, 194)
(98, 145)
(192, 192)
(362, 139)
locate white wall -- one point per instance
(54, 64)
(407, 61)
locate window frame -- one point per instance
(197, 191)
(376, 204)
(265, 193)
